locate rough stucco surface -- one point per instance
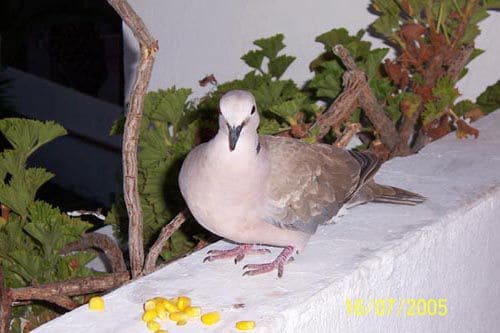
(200, 37)
(448, 247)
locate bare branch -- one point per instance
(59, 292)
(165, 234)
(148, 47)
(367, 101)
(5, 305)
(348, 134)
(459, 61)
(343, 106)
(102, 243)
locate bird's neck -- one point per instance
(247, 148)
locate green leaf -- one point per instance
(462, 107)
(118, 126)
(386, 25)
(489, 100)
(328, 81)
(492, 4)
(374, 61)
(28, 135)
(271, 46)
(254, 59)
(270, 127)
(288, 109)
(335, 36)
(279, 65)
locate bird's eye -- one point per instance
(253, 110)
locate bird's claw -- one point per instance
(238, 253)
(278, 263)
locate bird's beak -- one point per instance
(234, 135)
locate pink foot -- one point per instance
(278, 263)
(238, 253)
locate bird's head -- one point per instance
(238, 116)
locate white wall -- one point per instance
(199, 37)
(446, 248)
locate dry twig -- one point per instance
(60, 292)
(5, 303)
(350, 131)
(165, 234)
(102, 243)
(148, 48)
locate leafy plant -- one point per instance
(434, 41)
(33, 233)
(168, 132)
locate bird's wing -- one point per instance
(310, 183)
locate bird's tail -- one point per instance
(395, 195)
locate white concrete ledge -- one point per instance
(447, 248)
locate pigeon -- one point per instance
(257, 190)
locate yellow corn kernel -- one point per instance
(183, 302)
(193, 311)
(96, 303)
(153, 326)
(159, 299)
(149, 305)
(174, 300)
(161, 331)
(161, 314)
(245, 325)
(181, 322)
(210, 318)
(149, 315)
(178, 316)
(171, 308)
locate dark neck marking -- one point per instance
(258, 148)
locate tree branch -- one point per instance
(459, 61)
(343, 106)
(350, 131)
(367, 101)
(5, 303)
(148, 47)
(59, 292)
(162, 239)
(103, 243)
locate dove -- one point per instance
(258, 190)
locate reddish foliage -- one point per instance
(438, 127)
(412, 31)
(464, 130)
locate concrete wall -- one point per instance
(447, 248)
(88, 160)
(199, 37)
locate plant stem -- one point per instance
(148, 48)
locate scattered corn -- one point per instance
(149, 315)
(193, 311)
(153, 325)
(245, 325)
(149, 305)
(181, 322)
(161, 314)
(183, 302)
(159, 300)
(96, 303)
(161, 331)
(171, 308)
(178, 316)
(210, 318)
